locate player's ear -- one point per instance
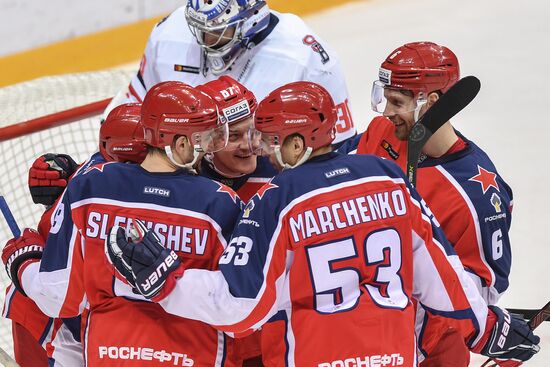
(432, 98)
(298, 145)
(181, 144)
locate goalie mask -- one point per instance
(172, 109)
(303, 108)
(415, 69)
(121, 135)
(224, 28)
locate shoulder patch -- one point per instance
(309, 40)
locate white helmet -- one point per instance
(225, 28)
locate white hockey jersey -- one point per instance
(286, 51)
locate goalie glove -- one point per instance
(143, 261)
(507, 337)
(48, 177)
(18, 253)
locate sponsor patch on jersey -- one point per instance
(187, 69)
(248, 208)
(309, 40)
(156, 191)
(384, 75)
(337, 172)
(496, 202)
(236, 111)
(388, 148)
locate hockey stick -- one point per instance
(534, 322)
(526, 313)
(8, 216)
(6, 360)
(448, 105)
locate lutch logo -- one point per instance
(156, 191)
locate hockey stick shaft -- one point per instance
(449, 104)
(8, 216)
(538, 318)
(6, 360)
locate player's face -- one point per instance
(217, 39)
(236, 158)
(400, 110)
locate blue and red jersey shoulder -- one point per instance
(262, 223)
(474, 206)
(247, 185)
(111, 193)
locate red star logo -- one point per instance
(98, 167)
(229, 191)
(485, 178)
(261, 192)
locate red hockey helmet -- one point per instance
(174, 108)
(304, 108)
(121, 135)
(235, 102)
(420, 66)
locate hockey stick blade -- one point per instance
(8, 216)
(538, 318)
(449, 104)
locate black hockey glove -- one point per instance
(143, 261)
(509, 338)
(48, 177)
(20, 252)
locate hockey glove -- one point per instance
(143, 261)
(48, 177)
(18, 253)
(509, 337)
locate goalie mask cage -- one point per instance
(58, 114)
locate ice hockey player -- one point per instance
(460, 183)
(237, 165)
(340, 254)
(192, 214)
(36, 336)
(245, 40)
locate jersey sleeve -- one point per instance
(324, 67)
(55, 283)
(440, 282)
(242, 294)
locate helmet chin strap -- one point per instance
(420, 103)
(279, 158)
(188, 166)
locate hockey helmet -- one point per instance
(418, 67)
(174, 108)
(235, 102)
(304, 108)
(121, 135)
(224, 28)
